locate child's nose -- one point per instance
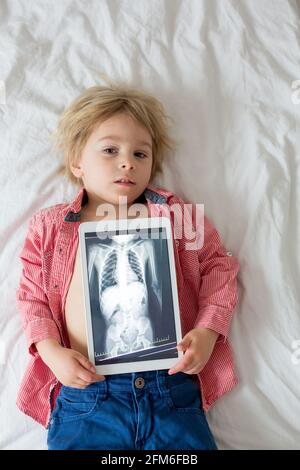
(127, 163)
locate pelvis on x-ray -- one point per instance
(123, 293)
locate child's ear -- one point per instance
(76, 170)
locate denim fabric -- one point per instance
(143, 410)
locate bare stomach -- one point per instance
(75, 310)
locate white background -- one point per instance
(224, 71)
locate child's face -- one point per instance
(104, 160)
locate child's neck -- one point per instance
(89, 214)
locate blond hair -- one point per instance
(98, 103)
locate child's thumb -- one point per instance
(183, 344)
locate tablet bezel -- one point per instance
(129, 224)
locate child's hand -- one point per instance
(197, 345)
(72, 368)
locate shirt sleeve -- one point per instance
(32, 302)
(218, 293)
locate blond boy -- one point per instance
(114, 140)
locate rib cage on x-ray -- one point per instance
(124, 257)
(123, 292)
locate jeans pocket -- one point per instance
(184, 394)
(74, 404)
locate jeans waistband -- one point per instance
(158, 380)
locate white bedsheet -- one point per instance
(224, 71)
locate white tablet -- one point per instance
(131, 298)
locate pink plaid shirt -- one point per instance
(207, 291)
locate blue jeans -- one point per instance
(142, 411)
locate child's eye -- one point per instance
(141, 153)
(110, 148)
(137, 153)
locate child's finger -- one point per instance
(183, 364)
(84, 361)
(98, 377)
(86, 376)
(88, 366)
(184, 344)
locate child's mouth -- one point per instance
(125, 182)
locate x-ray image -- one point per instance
(130, 297)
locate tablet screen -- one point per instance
(130, 296)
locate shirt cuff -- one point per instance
(38, 330)
(217, 319)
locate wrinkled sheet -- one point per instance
(226, 72)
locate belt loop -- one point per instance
(133, 376)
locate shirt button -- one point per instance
(229, 253)
(177, 243)
(139, 382)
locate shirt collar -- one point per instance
(73, 210)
